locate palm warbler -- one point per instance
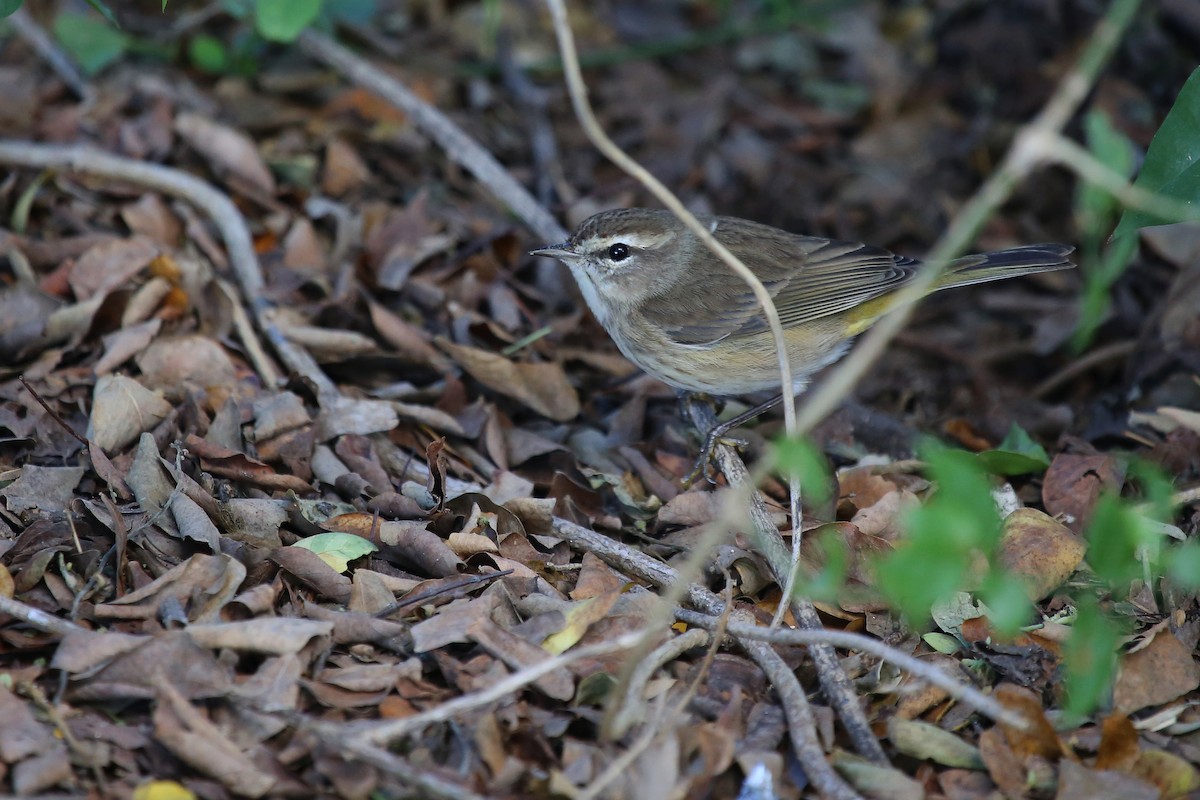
(682, 315)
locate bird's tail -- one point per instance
(1006, 264)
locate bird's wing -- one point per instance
(807, 277)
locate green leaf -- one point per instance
(944, 535)
(1172, 166)
(1115, 534)
(944, 643)
(1090, 659)
(8, 7)
(208, 54)
(93, 43)
(1184, 565)
(1007, 602)
(337, 549)
(283, 20)
(1018, 454)
(826, 584)
(802, 457)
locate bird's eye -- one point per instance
(618, 252)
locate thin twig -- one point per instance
(437, 126)
(35, 36)
(54, 415)
(622, 762)
(37, 618)
(1092, 358)
(962, 692)
(1061, 150)
(429, 783)
(839, 691)
(392, 730)
(630, 707)
(637, 564)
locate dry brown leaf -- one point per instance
(1040, 550)
(150, 216)
(113, 666)
(543, 387)
(123, 409)
(231, 153)
(1158, 673)
(1073, 483)
(110, 264)
(196, 741)
(346, 415)
(1119, 746)
(177, 362)
(44, 488)
(272, 635)
(344, 170)
(1077, 782)
(421, 547)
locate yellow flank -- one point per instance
(863, 316)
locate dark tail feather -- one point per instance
(1007, 264)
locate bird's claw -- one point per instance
(704, 462)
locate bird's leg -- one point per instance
(718, 436)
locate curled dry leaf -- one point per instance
(177, 362)
(196, 741)
(1040, 550)
(423, 548)
(1073, 484)
(231, 153)
(1158, 673)
(273, 635)
(110, 264)
(122, 345)
(542, 387)
(314, 573)
(123, 409)
(203, 584)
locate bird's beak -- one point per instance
(560, 251)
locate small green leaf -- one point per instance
(1018, 454)
(1172, 166)
(802, 457)
(944, 643)
(1184, 565)
(1090, 659)
(1115, 534)
(208, 54)
(283, 20)
(1007, 602)
(337, 549)
(8, 7)
(93, 43)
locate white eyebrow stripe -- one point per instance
(641, 241)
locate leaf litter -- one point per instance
(204, 644)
